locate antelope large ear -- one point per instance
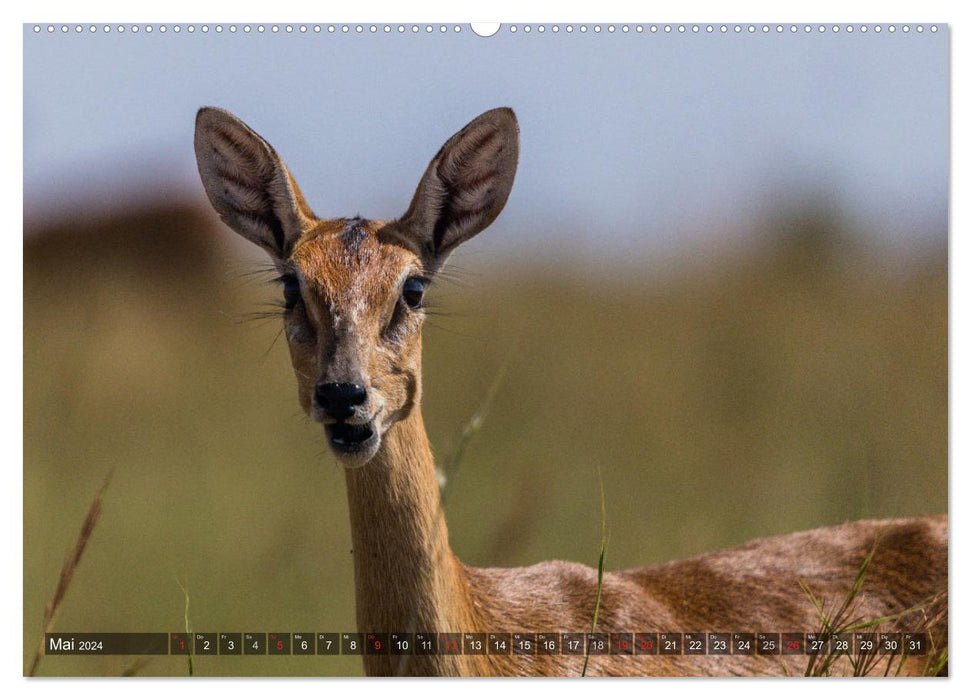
(248, 184)
(465, 186)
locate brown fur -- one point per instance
(350, 325)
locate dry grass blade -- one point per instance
(446, 475)
(188, 626)
(68, 570)
(938, 653)
(932, 602)
(135, 667)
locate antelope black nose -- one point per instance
(338, 399)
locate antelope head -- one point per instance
(353, 288)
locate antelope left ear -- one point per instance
(248, 184)
(465, 186)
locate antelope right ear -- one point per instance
(465, 186)
(248, 184)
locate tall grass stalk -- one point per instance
(446, 474)
(600, 567)
(188, 626)
(67, 571)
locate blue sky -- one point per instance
(637, 140)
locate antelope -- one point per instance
(353, 290)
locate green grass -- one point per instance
(710, 392)
(600, 568)
(842, 619)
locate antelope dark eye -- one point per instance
(291, 291)
(413, 291)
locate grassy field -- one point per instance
(800, 383)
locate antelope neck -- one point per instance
(406, 577)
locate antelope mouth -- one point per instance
(346, 438)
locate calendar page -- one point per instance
(515, 349)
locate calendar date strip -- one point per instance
(479, 643)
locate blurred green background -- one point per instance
(795, 381)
